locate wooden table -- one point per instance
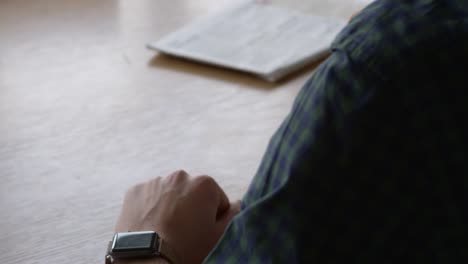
(86, 111)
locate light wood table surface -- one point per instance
(86, 111)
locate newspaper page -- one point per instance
(254, 37)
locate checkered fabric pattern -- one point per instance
(371, 165)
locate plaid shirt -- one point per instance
(371, 164)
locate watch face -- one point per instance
(134, 244)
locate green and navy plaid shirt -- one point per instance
(371, 165)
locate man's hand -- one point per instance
(189, 213)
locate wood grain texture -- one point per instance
(86, 111)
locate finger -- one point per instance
(223, 204)
(236, 206)
(215, 198)
(226, 218)
(177, 177)
(234, 209)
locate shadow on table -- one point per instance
(223, 74)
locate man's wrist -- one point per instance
(142, 247)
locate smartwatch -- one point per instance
(144, 244)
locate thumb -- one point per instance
(233, 210)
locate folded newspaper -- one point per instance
(255, 37)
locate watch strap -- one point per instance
(109, 259)
(168, 253)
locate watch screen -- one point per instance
(134, 240)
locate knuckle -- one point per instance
(205, 182)
(178, 176)
(137, 186)
(135, 189)
(180, 172)
(206, 188)
(153, 181)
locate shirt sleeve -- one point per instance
(281, 208)
(358, 166)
